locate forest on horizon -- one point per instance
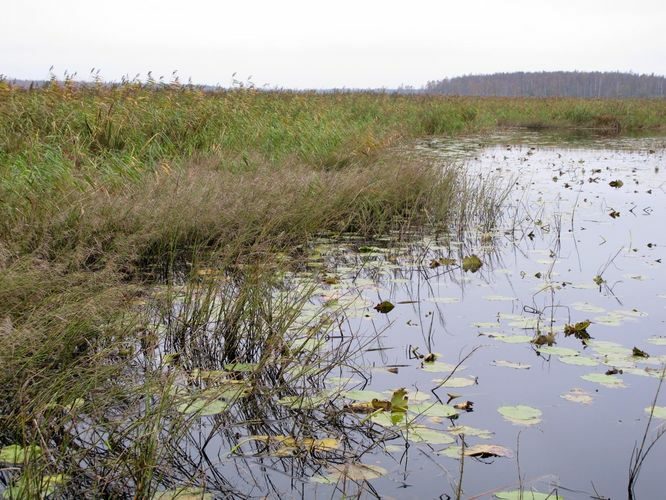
(552, 84)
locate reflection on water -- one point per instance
(558, 403)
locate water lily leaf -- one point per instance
(399, 400)
(240, 367)
(184, 493)
(471, 263)
(586, 307)
(485, 324)
(499, 298)
(657, 340)
(526, 495)
(15, 454)
(456, 382)
(576, 395)
(444, 300)
(422, 434)
(355, 472)
(363, 395)
(510, 364)
(558, 351)
(610, 381)
(470, 431)
(451, 452)
(48, 486)
(203, 407)
(433, 410)
(520, 414)
(659, 411)
(438, 367)
(578, 361)
(305, 402)
(487, 451)
(514, 339)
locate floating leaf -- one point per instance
(451, 452)
(15, 454)
(577, 396)
(470, 431)
(399, 400)
(423, 434)
(363, 395)
(558, 351)
(514, 339)
(657, 340)
(610, 381)
(456, 382)
(578, 361)
(438, 367)
(354, 472)
(659, 411)
(184, 493)
(471, 263)
(586, 307)
(444, 300)
(433, 410)
(526, 495)
(384, 307)
(487, 451)
(203, 407)
(510, 364)
(521, 414)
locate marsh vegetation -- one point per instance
(222, 294)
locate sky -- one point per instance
(309, 44)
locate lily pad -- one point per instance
(471, 263)
(514, 339)
(15, 454)
(354, 472)
(578, 361)
(577, 395)
(659, 411)
(363, 395)
(521, 414)
(184, 493)
(610, 381)
(526, 495)
(422, 434)
(438, 367)
(487, 451)
(657, 340)
(456, 382)
(470, 431)
(510, 364)
(558, 351)
(433, 410)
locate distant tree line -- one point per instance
(553, 83)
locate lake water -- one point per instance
(568, 248)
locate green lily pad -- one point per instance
(456, 382)
(471, 263)
(657, 340)
(438, 367)
(659, 411)
(578, 396)
(578, 361)
(364, 396)
(422, 434)
(586, 307)
(526, 495)
(521, 414)
(451, 452)
(433, 410)
(470, 431)
(444, 300)
(15, 454)
(203, 407)
(184, 493)
(558, 351)
(610, 381)
(510, 364)
(514, 339)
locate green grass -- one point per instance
(107, 193)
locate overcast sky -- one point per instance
(309, 44)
